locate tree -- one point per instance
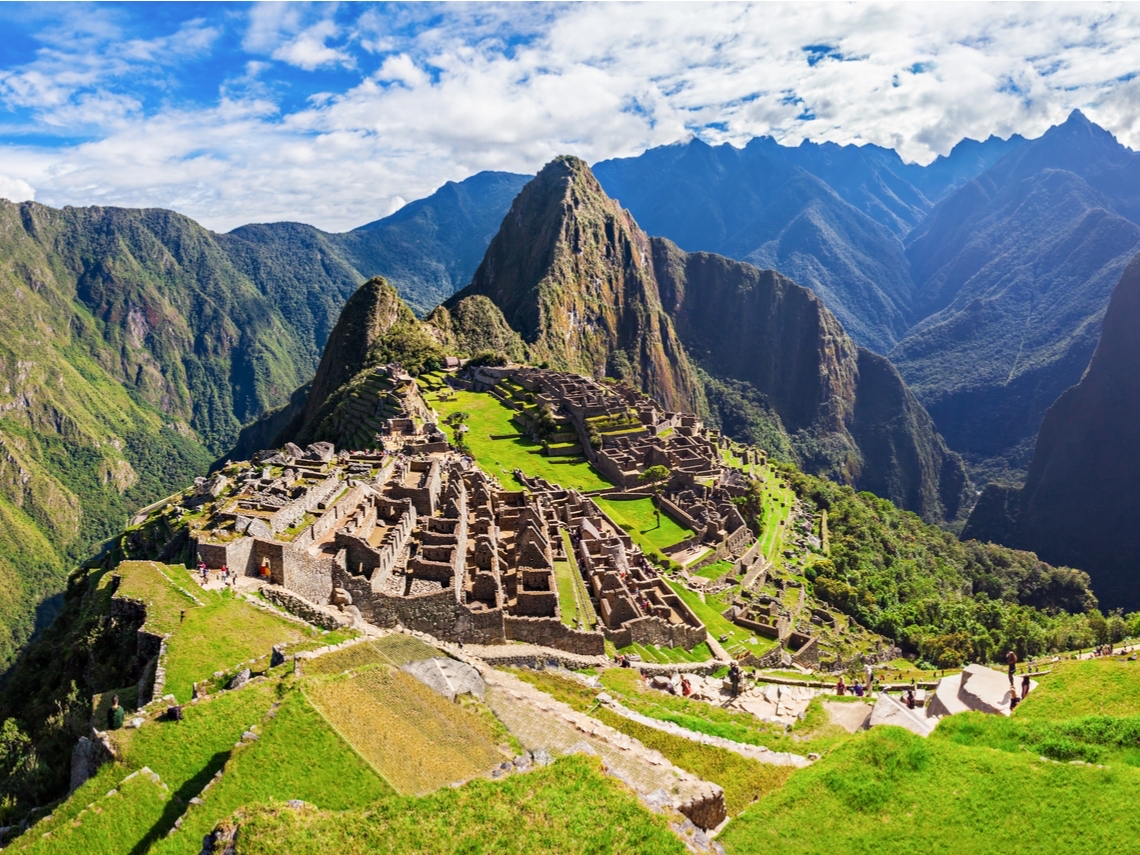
(655, 475)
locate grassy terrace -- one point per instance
(665, 655)
(709, 612)
(210, 630)
(638, 518)
(569, 807)
(885, 790)
(777, 508)
(572, 593)
(489, 417)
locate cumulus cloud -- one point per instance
(400, 99)
(16, 190)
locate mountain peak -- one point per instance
(571, 272)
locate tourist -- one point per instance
(910, 699)
(734, 678)
(858, 689)
(686, 689)
(869, 675)
(115, 714)
(1011, 661)
(841, 688)
(1014, 700)
(1025, 685)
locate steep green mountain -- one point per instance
(845, 410)
(131, 349)
(1075, 507)
(572, 273)
(590, 292)
(1012, 275)
(376, 328)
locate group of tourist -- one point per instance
(226, 575)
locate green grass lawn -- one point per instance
(209, 630)
(709, 613)
(714, 570)
(567, 592)
(106, 825)
(1087, 687)
(572, 585)
(185, 755)
(666, 655)
(639, 518)
(568, 807)
(889, 791)
(500, 457)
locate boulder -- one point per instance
(322, 451)
(977, 688)
(446, 677)
(240, 679)
(888, 710)
(293, 450)
(259, 528)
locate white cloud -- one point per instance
(309, 49)
(16, 190)
(442, 92)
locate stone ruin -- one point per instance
(423, 539)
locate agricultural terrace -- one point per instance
(489, 418)
(209, 630)
(708, 608)
(567, 808)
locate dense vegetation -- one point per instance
(948, 602)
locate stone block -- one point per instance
(447, 677)
(888, 710)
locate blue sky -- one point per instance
(336, 114)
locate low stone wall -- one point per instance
(677, 515)
(551, 632)
(652, 630)
(302, 608)
(808, 655)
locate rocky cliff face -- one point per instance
(572, 273)
(1077, 506)
(846, 411)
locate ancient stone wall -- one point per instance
(314, 496)
(551, 632)
(303, 608)
(308, 574)
(653, 630)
